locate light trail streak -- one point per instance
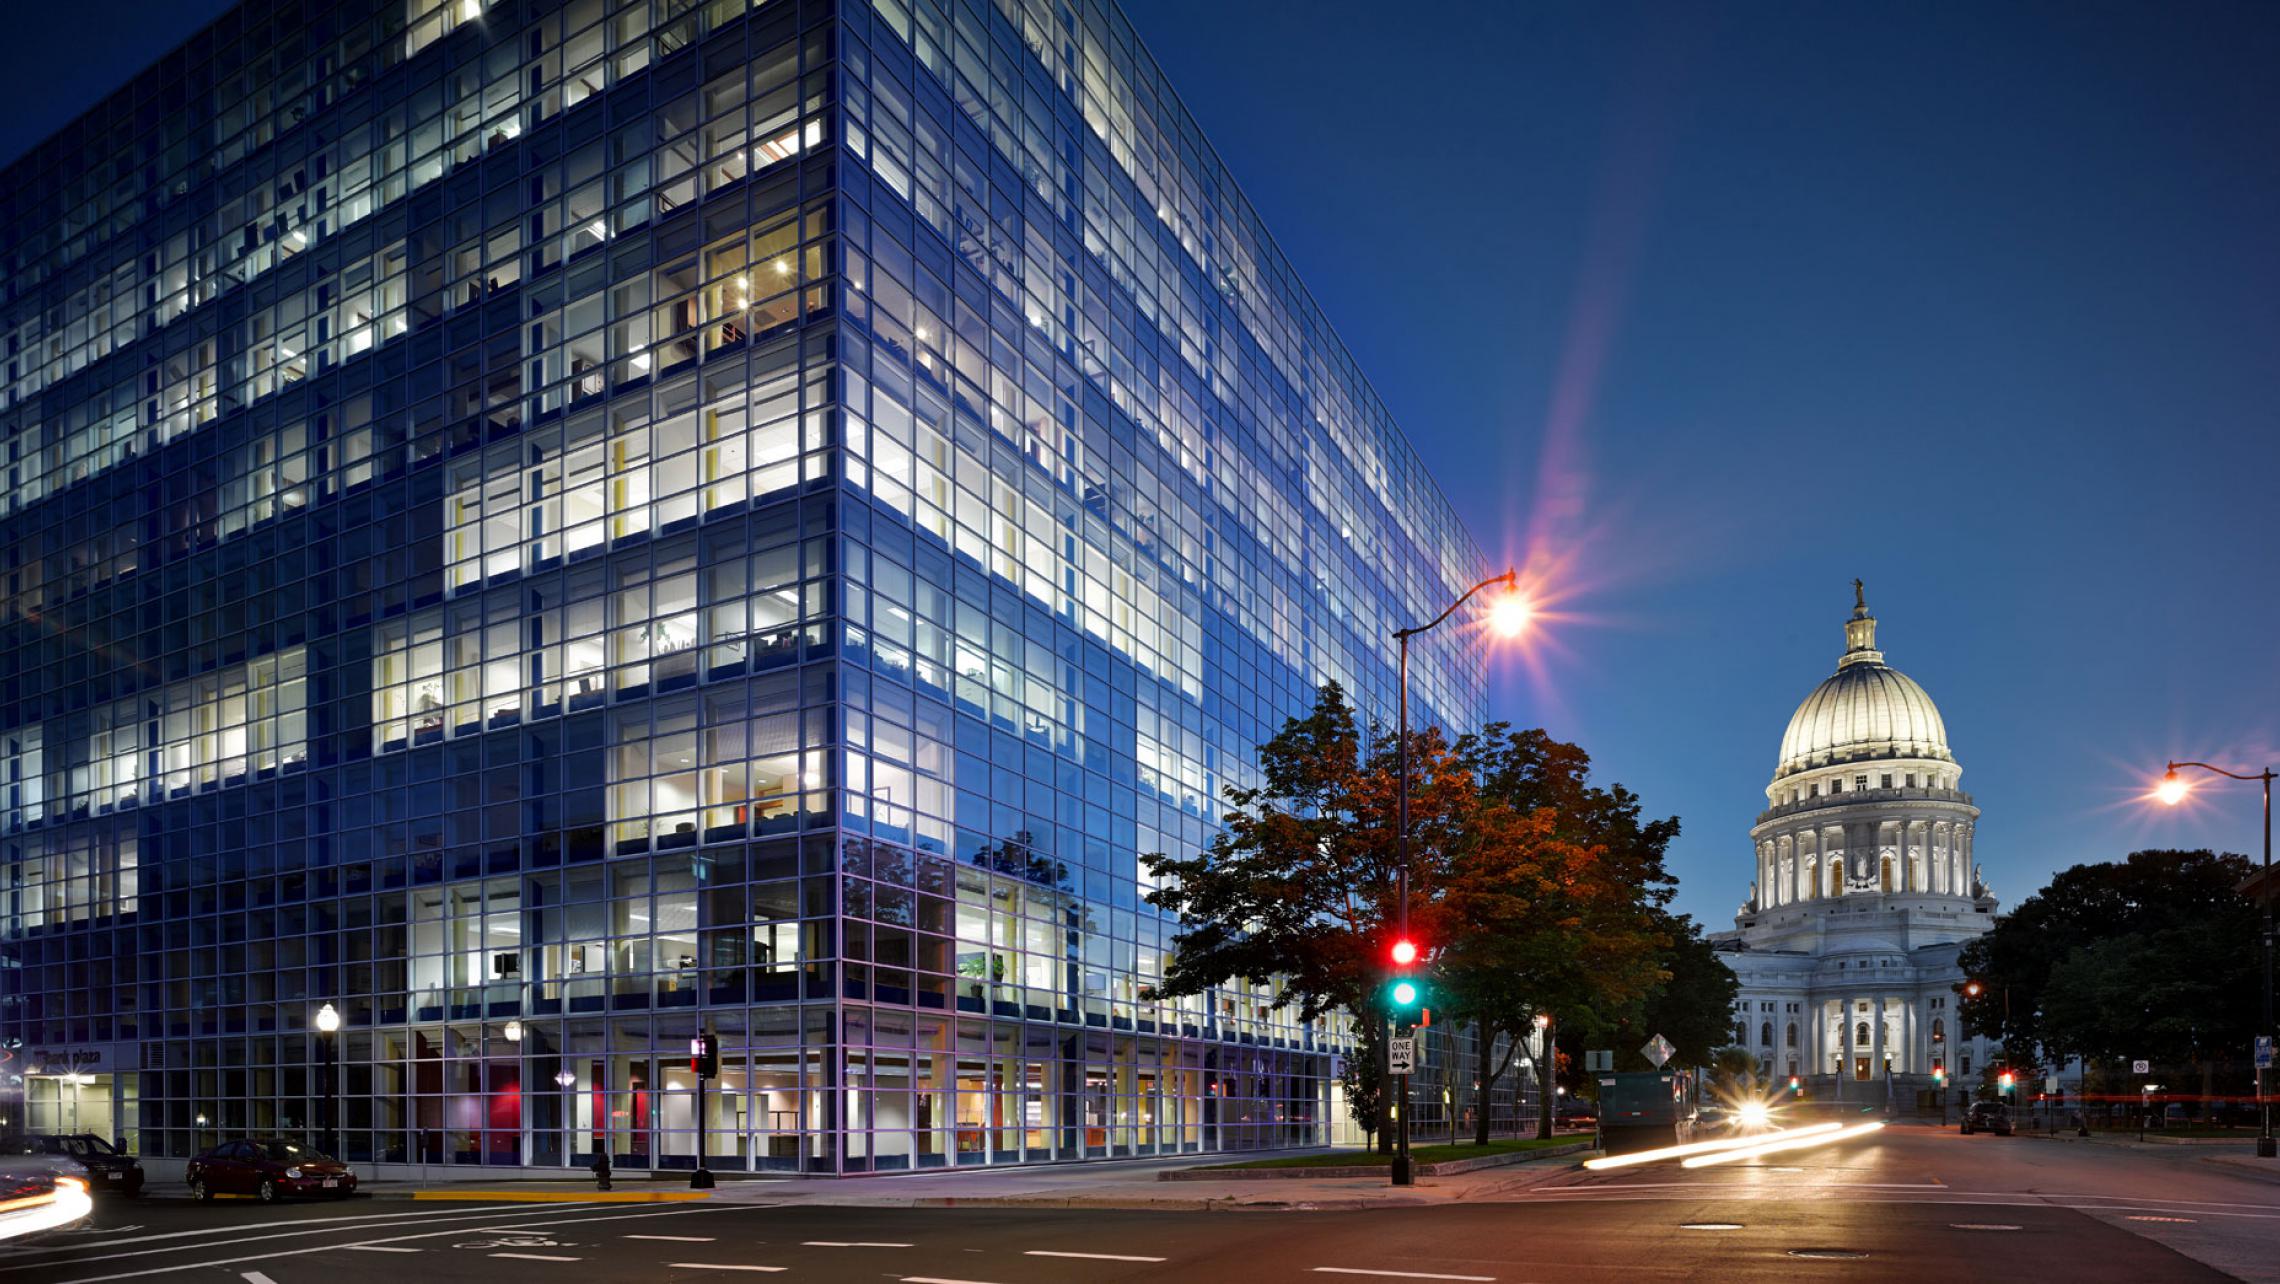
(1703, 1147)
(66, 1204)
(1783, 1143)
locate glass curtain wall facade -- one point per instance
(554, 527)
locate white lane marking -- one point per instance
(676, 1239)
(256, 1277)
(383, 1248)
(2157, 1199)
(2140, 1217)
(457, 1219)
(315, 1222)
(861, 1243)
(1406, 1275)
(327, 1248)
(1713, 1185)
(936, 1279)
(538, 1257)
(1096, 1257)
(720, 1266)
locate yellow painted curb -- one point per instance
(567, 1197)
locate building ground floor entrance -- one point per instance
(817, 1089)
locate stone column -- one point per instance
(1876, 1037)
(1845, 1031)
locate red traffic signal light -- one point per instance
(1404, 951)
(704, 1056)
(2007, 1080)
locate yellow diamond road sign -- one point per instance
(1658, 1050)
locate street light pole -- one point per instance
(1509, 620)
(328, 1030)
(2172, 791)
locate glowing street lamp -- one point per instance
(1507, 617)
(1511, 615)
(2172, 790)
(514, 1032)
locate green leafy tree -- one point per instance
(1299, 882)
(1551, 893)
(1691, 1007)
(2153, 956)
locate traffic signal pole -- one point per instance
(706, 1063)
(1403, 1173)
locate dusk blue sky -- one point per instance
(1714, 308)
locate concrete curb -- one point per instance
(554, 1196)
(565, 1195)
(1455, 1166)
(2132, 1141)
(1272, 1174)
(1224, 1204)
(1447, 1168)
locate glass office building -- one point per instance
(554, 527)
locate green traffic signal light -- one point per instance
(1405, 994)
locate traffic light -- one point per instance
(1939, 1074)
(2005, 1082)
(1796, 1086)
(1404, 994)
(704, 1056)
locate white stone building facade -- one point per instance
(1866, 890)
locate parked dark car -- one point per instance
(1987, 1116)
(1576, 1113)
(269, 1169)
(106, 1168)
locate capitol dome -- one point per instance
(1865, 711)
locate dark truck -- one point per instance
(1645, 1109)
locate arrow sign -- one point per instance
(1658, 1050)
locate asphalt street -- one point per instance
(1905, 1204)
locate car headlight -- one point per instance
(293, 1173)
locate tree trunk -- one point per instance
(1544, 1065)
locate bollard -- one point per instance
(602, 1172)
